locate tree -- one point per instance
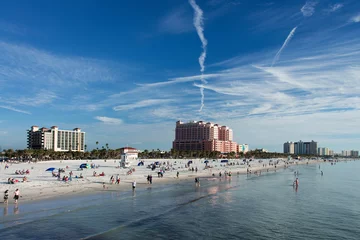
(97, 143)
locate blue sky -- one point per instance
(125, 71)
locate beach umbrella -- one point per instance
(84, 165)
(206, 161)
(50, 169)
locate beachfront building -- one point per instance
(203, 136)
(129, 156)
(301, 148)
(345, 153)
(350, 153)
(354, 153)
(55, 139)
(324, 151)
(289, 148)
(244, 148)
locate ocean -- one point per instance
(241, 207)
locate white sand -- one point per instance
(42, 184)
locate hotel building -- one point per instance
(55, 139)
(301, 148)
(201, 136)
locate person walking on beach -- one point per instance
(16, 195)
(133, 185)
(112, 179)
(6, 196)
(150, 179)
(177, 174)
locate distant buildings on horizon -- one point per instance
(301, 148)
(55, 139)
(205, 136)
(349, 153)
(310, 148)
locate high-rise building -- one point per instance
(55, 139)
(325, 152)
(201, 136)
(346, 153)
(289, 147)
(301, 148)
(354, 153)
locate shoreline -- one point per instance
(42, 186)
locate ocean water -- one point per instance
(240, 207)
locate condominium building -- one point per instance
(55, 139)
(354, 153)
(301, 148)
(201, 136)
(325, 152)
(350, 153)
(289, 148)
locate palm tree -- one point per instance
(107, 146)
(97, 144)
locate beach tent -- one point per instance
(225, 160)
(189, 162)
(141, 164)
(85, 165)
(50, 169)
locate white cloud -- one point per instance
(355, 19)
(35, 67)
(180, 80)
(334, 7)
(14, 109)
(309, 8)
(199, 26)
(141, 104)
(277, 56)
(41, 98)
(108, 120)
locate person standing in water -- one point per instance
(134, 185)
(296, 182)
(322, 173)
(197, 181)
(6, 196)
(16, 195)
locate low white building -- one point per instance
(129, 157)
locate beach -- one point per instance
(41, 184)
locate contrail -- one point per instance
(199, 26)
(276, 58)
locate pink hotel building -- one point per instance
(201, 136)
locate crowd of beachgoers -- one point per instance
(39, 180)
